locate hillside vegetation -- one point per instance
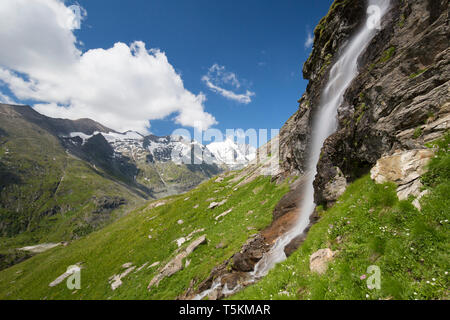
(55, 187)
(148, 235)
(370, 226)
(49, 195)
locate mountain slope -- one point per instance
(46, 193)
(62, 179)
(400, 99)
(370, 226)
(151, 234)
(179, 246)
(160, 166)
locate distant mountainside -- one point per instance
(166, 165)
(48, 193)
(144, 161)
(61, 179)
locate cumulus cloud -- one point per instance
(123, 87)
(217, 77)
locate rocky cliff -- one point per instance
(399, 101)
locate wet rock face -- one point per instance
(294, 245)
(399, 101)
(330, 35)
(251, 253)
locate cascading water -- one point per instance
(325, 124)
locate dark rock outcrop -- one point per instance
(399, 100)
(107, 204)
(298, 241)
(251, 253)
(330, 35)
(294, 244)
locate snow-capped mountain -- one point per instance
(233, 155)
(177, 149)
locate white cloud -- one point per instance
(5, 99)
(217, 77)
(122, 87)
(309, 40)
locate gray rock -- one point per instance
(335, 188)
(176, 264)
(223, 214)
(213, 205)
(318, 262)
(405, 169)
(399, 100)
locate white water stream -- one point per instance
(325, 124)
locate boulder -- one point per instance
(116, 280)
(156, 204)
(405, 169)
(318, 262)
(155, 264)
(213, 205)
(183, 240)
(40, 247)
(249, 256)
(176, 264)
(180, 241)
(402, 168)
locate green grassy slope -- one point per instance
(410, 247)
(127, 240)
(168, 178)
(47, 195)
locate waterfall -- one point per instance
(325, 124)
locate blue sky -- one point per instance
(261, 43)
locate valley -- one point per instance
(350, 201)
